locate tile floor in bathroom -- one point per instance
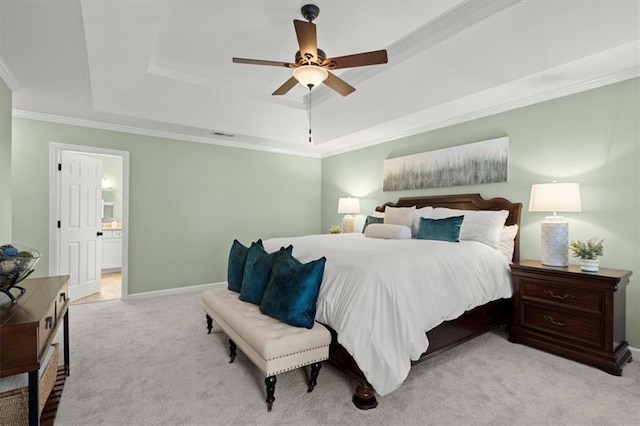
(110, 288)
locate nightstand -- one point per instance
(574, 314)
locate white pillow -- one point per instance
(507, 241)
(388, 231)
(399, 216)
(422, 212)
(377, 214)
(484, 226)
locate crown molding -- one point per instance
(8, 77)
(319, 152)
(357, 140)
(566, 90)
(160, 134)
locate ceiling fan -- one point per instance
(311, 66)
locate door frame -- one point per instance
(55, 150)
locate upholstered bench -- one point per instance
(273, 346)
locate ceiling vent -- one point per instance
(227, 135)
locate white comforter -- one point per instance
(381, 296)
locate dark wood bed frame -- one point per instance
(450, 333)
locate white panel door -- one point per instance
(80, 251)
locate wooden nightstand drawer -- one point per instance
(563, 323)
(592, 301)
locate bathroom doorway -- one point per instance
(112, 235)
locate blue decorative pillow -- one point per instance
(292, 291)
(447, 229)
(235, 269)
(257, 271)
(370, 220)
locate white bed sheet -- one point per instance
(381, 296)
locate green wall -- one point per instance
(188, 201)
(590, 138)
(5, 163)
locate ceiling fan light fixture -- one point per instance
(310, 75)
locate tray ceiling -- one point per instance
(164, 67)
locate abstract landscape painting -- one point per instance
(470, 164)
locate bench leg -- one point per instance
(232, 350)
(271, 388)
(209, 323)
(315, 370)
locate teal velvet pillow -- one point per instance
(447, 229)
(292, 291)
(257, 271)
(370, 220)
(235, 268)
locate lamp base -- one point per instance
(555, 241)
(347, 224)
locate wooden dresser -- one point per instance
(574, 314)
(29, 327)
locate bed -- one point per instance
(365, 278)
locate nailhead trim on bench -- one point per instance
(287, 369)
(231, 315)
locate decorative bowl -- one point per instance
(16, 264)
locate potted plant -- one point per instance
(335, 229)
(588, 253)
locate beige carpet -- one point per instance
(150, 362)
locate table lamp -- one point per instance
(555, 197)
(348, 206)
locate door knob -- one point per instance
(99, 234)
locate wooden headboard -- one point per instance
(466, 202)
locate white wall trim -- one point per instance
(8, 77)
(178, 290)
(55, 150)
(495, 109)
(158, 133)
(635, 352)
(327, 152)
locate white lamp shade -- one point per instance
(310, 75)
(555, 197)
(348, 205)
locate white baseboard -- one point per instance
(635, 352)
(171, 291)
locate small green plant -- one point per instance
(589, 250)
(334, 229)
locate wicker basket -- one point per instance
(14, 404)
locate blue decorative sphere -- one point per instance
(8, 250)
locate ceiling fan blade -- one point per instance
(288, 85)
(261, 62)
(307, 39)
(357, 60)
(339, 85)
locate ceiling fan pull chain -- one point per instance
(309, 114)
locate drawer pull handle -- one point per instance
(63, 297)
(557, 296)
(48, 321)
(560, 323)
